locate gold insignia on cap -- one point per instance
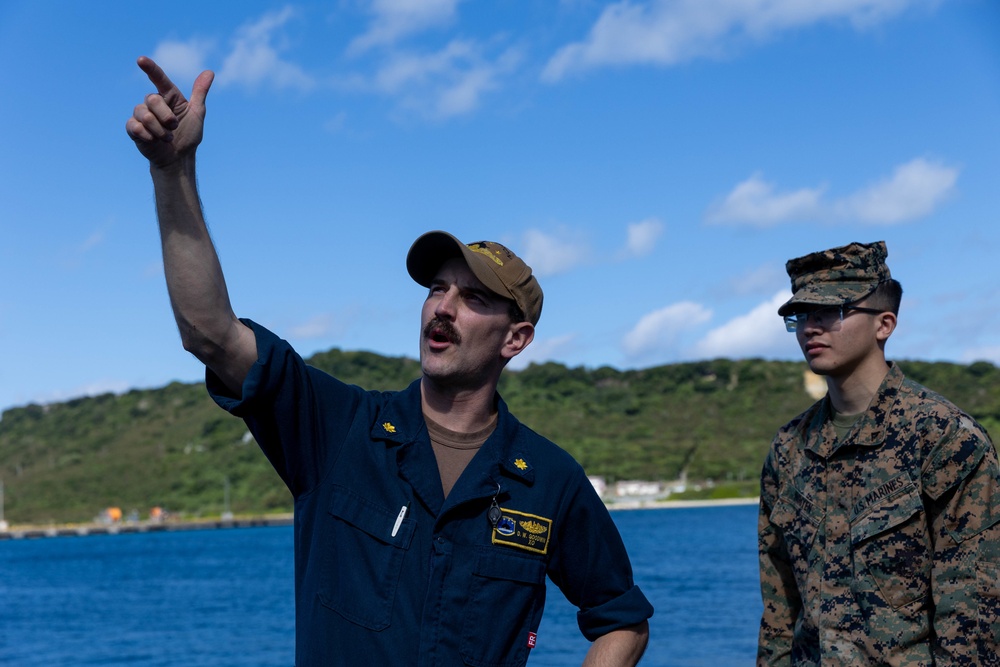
(521, 464)
(485, 251)
(389, 428)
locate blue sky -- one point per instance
(656, 162)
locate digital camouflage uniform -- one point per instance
(883, 547)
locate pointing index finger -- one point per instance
(156, 75)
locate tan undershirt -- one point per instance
(454, 450)
(842, 423)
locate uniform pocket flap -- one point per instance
(797, 517)
(784, 514)
(893, 510)
(794, 506)
(509, 567)
(371, 517)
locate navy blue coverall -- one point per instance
(389, 572)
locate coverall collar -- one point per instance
(503, 456)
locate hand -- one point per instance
(166, 127)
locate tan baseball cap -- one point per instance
(496, 266)
(836, 276)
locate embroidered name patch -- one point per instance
(886, 490)
(522, 530)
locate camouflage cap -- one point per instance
(496, 266)
(836, 276)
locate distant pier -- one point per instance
(83, 530)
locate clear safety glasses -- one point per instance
(826, 318)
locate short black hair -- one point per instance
(886, 297)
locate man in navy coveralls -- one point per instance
(426, 520)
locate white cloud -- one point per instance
(464, 92)
(394, 19)
(92, 241)
(542, 350)
(914, 190)
(446, 83)
(761, 280)
(75, 255)
(667, 32)
(657, 332)
(336, 123)
(408, 69)
(329, 324)
(184, 61)
(549, 254)
(758, 333)
(642, 237)
(256, 60)
(755, 201)
(317, 327)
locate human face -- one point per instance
(465, 330)
(837, 346)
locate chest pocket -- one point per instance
(800, 520)
(890, 542)
(359, 575)
(505, 602)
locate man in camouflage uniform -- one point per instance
(879, 521)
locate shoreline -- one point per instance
(34, 531)
(680, 504)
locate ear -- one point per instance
(518, 337)
(885, 324)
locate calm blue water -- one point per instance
(219, 598)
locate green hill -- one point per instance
(172, 447)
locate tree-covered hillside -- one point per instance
(173, 448)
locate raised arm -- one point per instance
(167, 129)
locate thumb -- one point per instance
(199, 91)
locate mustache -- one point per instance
(443, 327)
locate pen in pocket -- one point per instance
(399, 521)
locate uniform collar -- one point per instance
(504, 456)
(817, 430)
(400, 421)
